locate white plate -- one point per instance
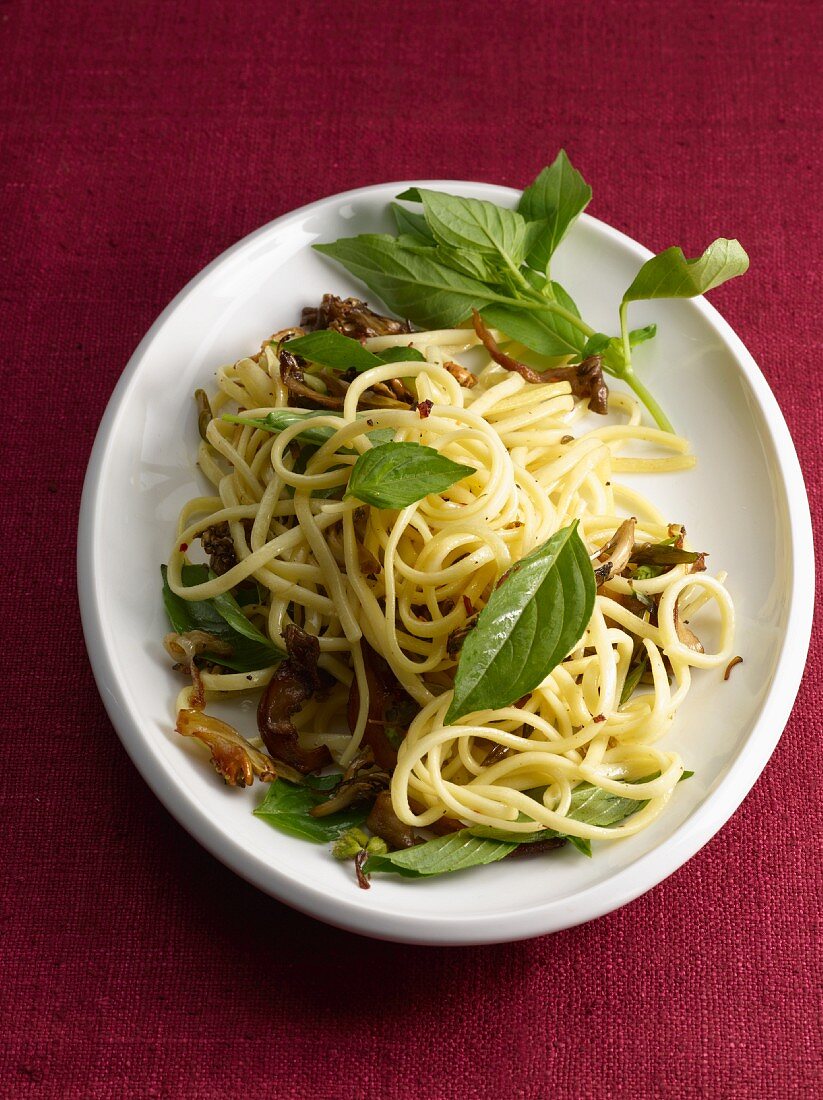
(745, 503)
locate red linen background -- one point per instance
(137, 141)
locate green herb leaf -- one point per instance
(286, 808)
(401, 355)
(474, 225)
(633, 679)
(221, 617)
(280, 419)
(558, 196)
(532, 620)
(595, 345)
(671, 275)
(398, 474)
(543, 331)
(412, 224)
(641, 335)
(414, 284)
(454, 852)
(332, 349)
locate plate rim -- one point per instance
(467, 929)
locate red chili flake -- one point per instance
(424, 408)
(469, 606)
(599, 718)
(183, 547)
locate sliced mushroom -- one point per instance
(232, 756)
(352, 317)
(463, 375)
(294, 682)
(385, 823)
(362, 780)
(614, 556)
(390, 707)
(183, 648)
(684, 633)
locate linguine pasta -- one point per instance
(540, 462)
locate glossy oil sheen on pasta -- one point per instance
(540, 463)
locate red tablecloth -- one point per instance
(137, 142)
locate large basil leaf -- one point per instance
(557, 197)
(671, 275)
(286, 808)
(414, 284)
(398, 474)
(531, 622)
(221, 617)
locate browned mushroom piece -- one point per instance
(184, 648)
(232, 756)
(361, 782)
(219, 545)
(391, 708)
(586, 378)
(684, 633)
(614, 556)
(463, 375)
(352, 317)
(293, 683)
(385, 823)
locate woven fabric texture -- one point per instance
(137, 141)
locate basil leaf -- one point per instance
(595, 345)
(401, 355)
(641, 335)
(332, 349)
(532, 620)
(286, 808)
(475, 225)
(541, 330)
(590, 805)
(558, 196)
(223, 618)
(633, 679)
(671, 275)
(454, 852)
(398, 474)
(413, 284)
(280, 419)
(411, 224)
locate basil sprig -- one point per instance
(464, 254)
(530, 623)
(395, 475)
(223, 618)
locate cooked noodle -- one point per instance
(539, 465)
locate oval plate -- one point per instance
(745, 502)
